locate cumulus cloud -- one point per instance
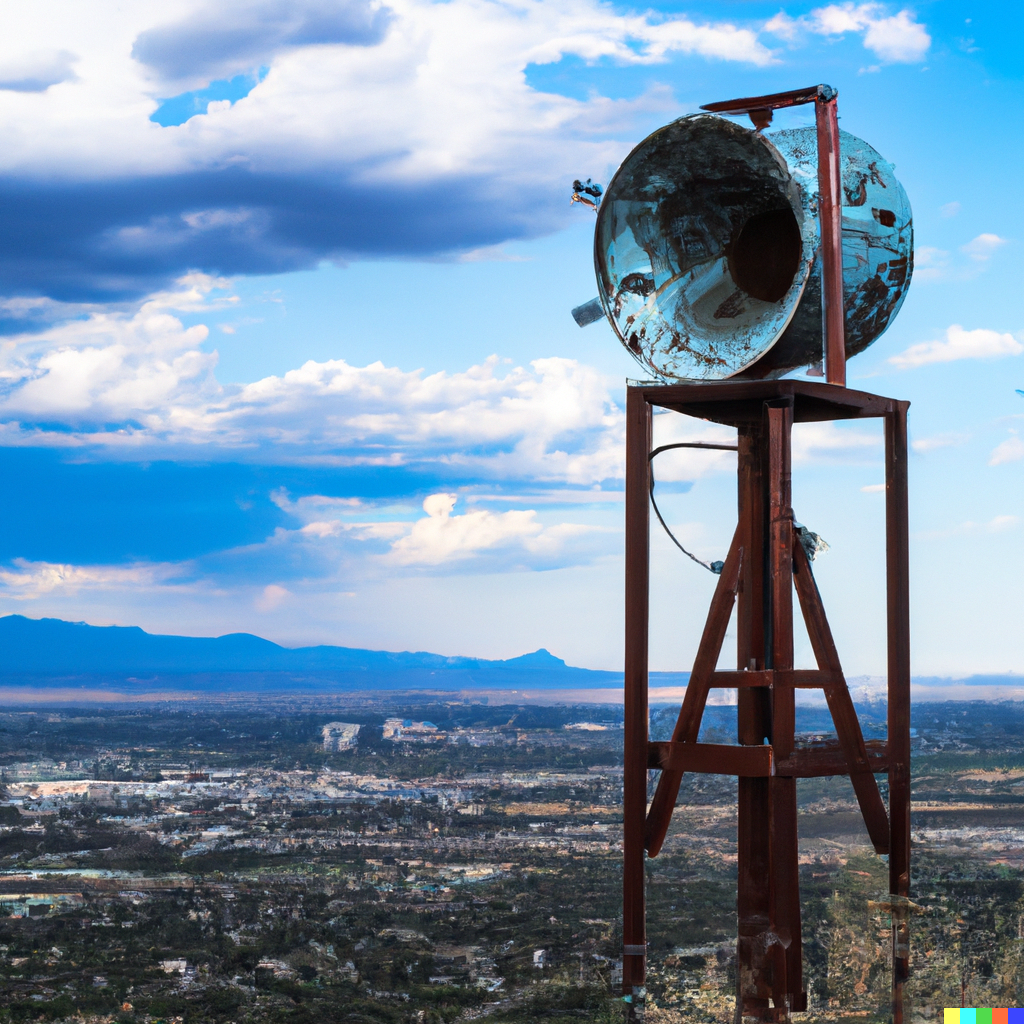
(141, 381)
(473, 540)
(271, 598)
(893, 38)
(1010, 450)
(27, 580)
(112, 367)
(959, 344)
(442, 537)
(830, 442)
(983, 247)
(424, 139)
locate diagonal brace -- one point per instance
(840, 704)
(690, 714)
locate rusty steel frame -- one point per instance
(766, 562)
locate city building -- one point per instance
(340, 736)
(404, 729)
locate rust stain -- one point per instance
(732, 307)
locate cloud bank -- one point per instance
(406, 128)
(138, 383)
(402, 129)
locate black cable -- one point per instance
(715, 567)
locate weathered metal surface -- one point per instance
(707, 250)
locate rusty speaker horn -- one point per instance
(708, 250)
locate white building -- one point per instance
(340, 736)
(399, 729)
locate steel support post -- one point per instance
(753, 719)
(634, 934)
(830, 215)
(897, 547)
(785, 875)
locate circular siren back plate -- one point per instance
(703, 248)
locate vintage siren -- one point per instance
(708, 249)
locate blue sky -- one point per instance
(284, 294)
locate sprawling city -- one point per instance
(304, 859)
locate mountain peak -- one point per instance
(541, 658)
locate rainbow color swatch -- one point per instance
(983, 1016)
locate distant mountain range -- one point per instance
(48, 652)
(54, 653)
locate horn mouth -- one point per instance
(700, 249)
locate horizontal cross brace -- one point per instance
(759, 761)
(711, 758)
(814, 762)
(806, 679)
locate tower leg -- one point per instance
(753, 727)
(634, 929)
(787, 986)
(898, 630)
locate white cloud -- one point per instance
(950, 209)
(932, 264)
(29, 580)
(959, 344)
(997, 524)
(874, 489)
(691, 463)
(443, 537)
(896, 39)
(442, 90)
(135, 381)
(783, 26)
(340, 535)
(271, 598)
(982, 247)
(929, 444)
(110, 368)
(427, 116)
(829, 442)
(1010, 450)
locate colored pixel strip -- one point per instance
(983, 1016)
